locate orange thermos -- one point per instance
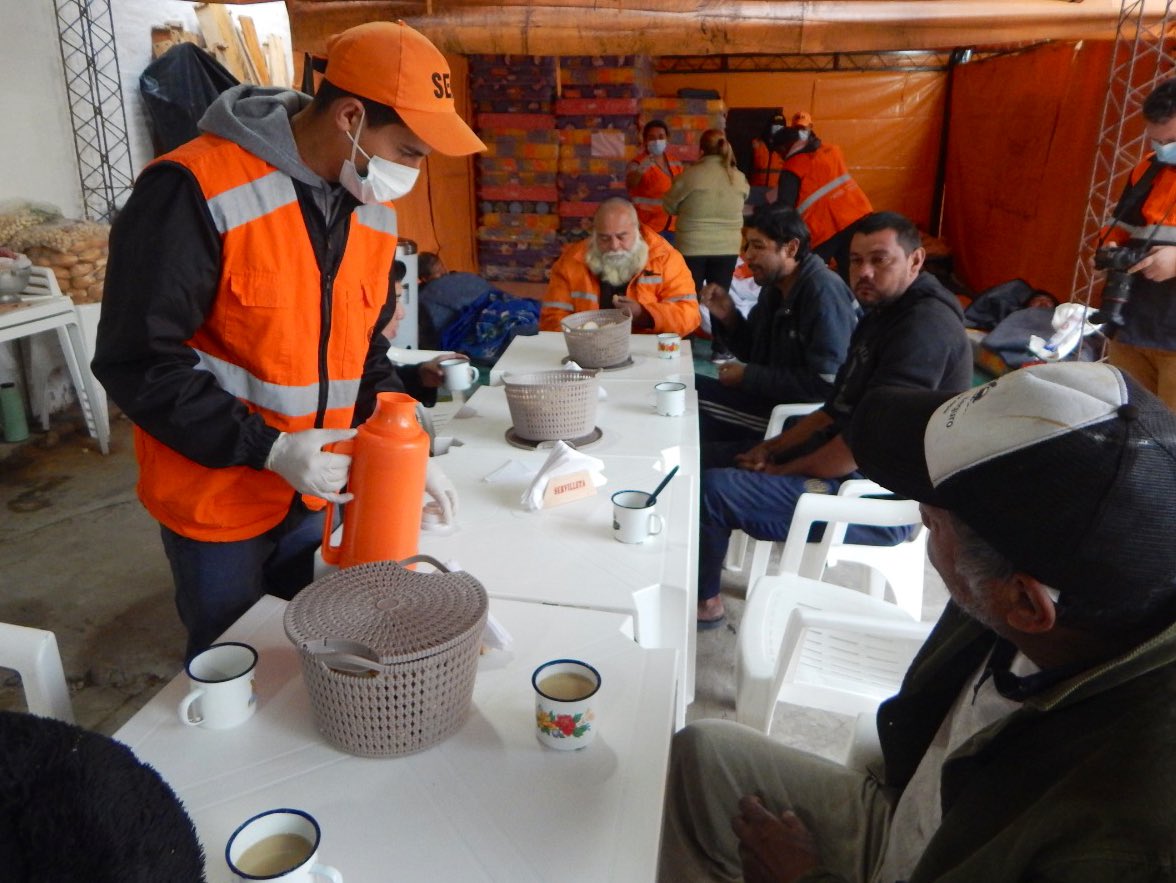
(389, 456)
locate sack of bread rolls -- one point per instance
(75, 251)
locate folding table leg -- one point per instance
(74, 348)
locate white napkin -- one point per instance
(563, 460)
(494, 634)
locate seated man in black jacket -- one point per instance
(912, 335)
(791, 343)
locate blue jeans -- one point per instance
(761, 506)
(217, 582)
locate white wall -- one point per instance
(36, 147)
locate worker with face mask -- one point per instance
(240, 327)
(650, 175)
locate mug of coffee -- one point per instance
(460, 375)
(280, 845)
(669, 345)
(670, 398)
(634, 520)
(222, 694)
(565, 691)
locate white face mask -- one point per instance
(1165, 153)
(656, 148)
(385, 180)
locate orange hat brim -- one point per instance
(446, 133)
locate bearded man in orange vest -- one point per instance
(247, 284)
(815, 180)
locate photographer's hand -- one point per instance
(1159, 265)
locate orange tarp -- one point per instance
(887, 124)
(1020, 153)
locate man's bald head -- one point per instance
(615, 226)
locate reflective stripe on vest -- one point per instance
(821, 191)
(289, 401)
(250, 201)
(378, 217)
(645, 200)
(590, 296)
(557, 305)
(677, 297)
(649, 280)
(1165, 234)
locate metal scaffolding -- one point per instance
(93, 88)
(1139, 62)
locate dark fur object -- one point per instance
(77, 806)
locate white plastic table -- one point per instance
(546, 350)
(489, 803)
(567, 554)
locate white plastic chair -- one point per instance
(819, 645)
(44, 308)
(33, 654)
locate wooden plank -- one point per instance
(253, 50)
(278, 61)
(220, 37)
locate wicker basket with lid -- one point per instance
(389, 655)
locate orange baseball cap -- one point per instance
(802, 118)
(391, 63)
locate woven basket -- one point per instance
(550, 405)
(388, 654)
(601, 347)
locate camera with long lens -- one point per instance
(1116, 262)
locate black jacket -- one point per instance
(794, 345)
(918, 342)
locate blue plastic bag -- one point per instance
(485, 328)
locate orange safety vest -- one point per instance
(1154, 220)
(830, 199)
(762, 160)
(262, 338)
(654, 184)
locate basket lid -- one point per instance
(385, 613)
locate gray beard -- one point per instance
(618, 267)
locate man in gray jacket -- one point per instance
(1032, 737)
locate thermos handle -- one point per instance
(333, 554)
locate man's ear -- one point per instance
(917, 257)
(792, 248)
(346, 112)
(1030, 608)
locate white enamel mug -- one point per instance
(222, 694)
(278, 845)
(670, 398)
(460, 375)
(565, 703)
(634, 520)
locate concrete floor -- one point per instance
(80, 556)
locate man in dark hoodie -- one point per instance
(912, 335)
(246, 287)
(791, 344)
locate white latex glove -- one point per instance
(441, 489)
(300, 459)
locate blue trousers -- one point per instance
(761, 506)
(217, 582)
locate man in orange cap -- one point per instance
(246, 286)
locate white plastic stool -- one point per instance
(33, 653)
(44, 308)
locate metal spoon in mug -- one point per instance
(662, 486)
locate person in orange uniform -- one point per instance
(1145, 346)
(815, 180)
(247, 283)
(650, 175)
(623, 265)
(765, 164)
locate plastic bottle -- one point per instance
(12, 413)
(389, 456)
